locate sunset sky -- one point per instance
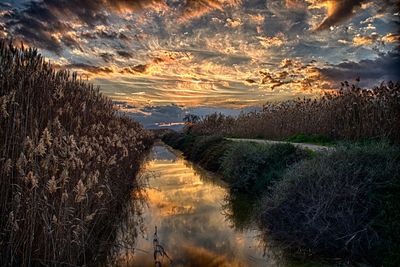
(214, 53)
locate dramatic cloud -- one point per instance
(230, 53)
(360, 40)
(338, 10)
(341, 10)
(107, 57)
(197, 8)
(124, 54)
(89, 68)
(391, 38)
(371, 72)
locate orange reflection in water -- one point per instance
(186, 206)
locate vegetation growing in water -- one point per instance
(67, 164)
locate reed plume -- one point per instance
(68, 163)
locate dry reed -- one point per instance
(67, 164)
(349, 113)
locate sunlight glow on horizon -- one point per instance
(223, 53)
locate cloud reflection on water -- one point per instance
(187, 209)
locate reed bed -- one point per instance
(68, 163)
(350, 113)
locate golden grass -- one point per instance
(67, 164)
(350, 113)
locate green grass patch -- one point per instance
(311, 139)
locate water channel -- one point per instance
(194, 224)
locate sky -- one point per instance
(224, 54)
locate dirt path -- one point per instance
(316, 148)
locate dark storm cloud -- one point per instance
(107, 57)
(38, 22)
(5, 5)
(107, 35)
(123, 37)
(71, 42)
(339, 11)
(124, 54)
(140, 68)
(89, 68)
(384, 68)
(35, 25)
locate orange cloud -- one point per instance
(391, 38)
(126, 6)
(365, 40)
(277, 40)
(197, 8)
(294, 4)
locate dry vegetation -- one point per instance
(350, 113)
(67, 164)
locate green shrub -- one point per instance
(201, 146)
(213, 157)
(205, 150)
(343, 204)
(179, 141)
(252, 167)
(239, 210)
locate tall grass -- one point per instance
(350, 113)
(67, 164)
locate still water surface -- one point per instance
(188, 206)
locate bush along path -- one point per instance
(343, 204)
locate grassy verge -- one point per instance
(68, 163)
(311, 139)
(344, 204)
(252, 167)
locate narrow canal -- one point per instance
(194, 226)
